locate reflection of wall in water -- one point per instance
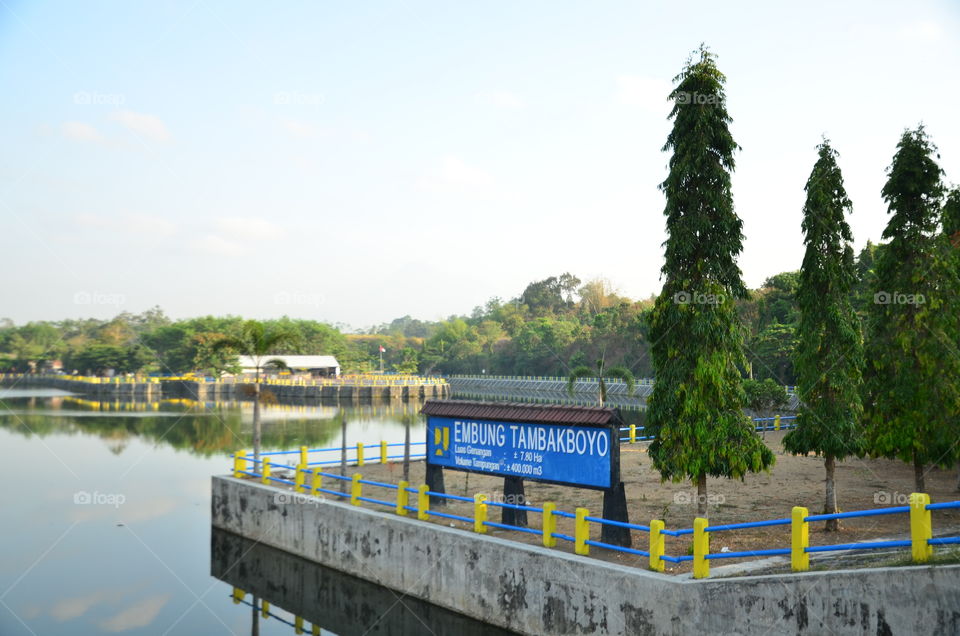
(335, 601)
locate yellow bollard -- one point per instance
(265, 475)
(776, 423)
(921, 527)
(298, 476)
(423, 503)
(265, 609)
(701, 547)
(799, 539)
(315, 630)
(657, 548)
(238, 595)
(479, 514)
(359, 454)
(402, 498)
(303, 455)
(298, 625)
(633, 433)
(355, 489)
(239, 463)
(549, 524)
(581, 532)
(383, 452)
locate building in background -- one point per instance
(316, 366)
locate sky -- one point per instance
(357, 162)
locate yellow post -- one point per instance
(265, 609)
(265, 475)
(633, 433)
(581, 532)
(657, 548)
(303, 455)
(479, 514)
(299, 473)
(239, 463)
(383, 451)
(701, 547)
(298, 625)
(238, 595)
(549, 524)
(776, 423)
(799, 539)
(921, 527)
(359, 454)
(315, 630)
(423, 502)
(402, 498)
(355, 489)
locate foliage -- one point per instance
(829, 354)
(765, 397)
(696, 408)
(912, 376)
(602, 374)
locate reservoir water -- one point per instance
(105, 512)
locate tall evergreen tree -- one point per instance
(912, 376)
(696, 409)
(829, 356)
(950, 222)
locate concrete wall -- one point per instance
(535, 590)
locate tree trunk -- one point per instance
(343, 450)
(255, 618)
(256, 422)
(958, 475)
(830, 504)
(406, 449)
(918, 473)
(702, 495)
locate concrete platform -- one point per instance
(536, 590)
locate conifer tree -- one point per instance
(696, 409)
(829, 356)
(912, 374)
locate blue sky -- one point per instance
(355, 162)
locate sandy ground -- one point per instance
(862, 484)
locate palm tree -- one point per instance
(602, 374)
(256, 341)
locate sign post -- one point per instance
(558, 444)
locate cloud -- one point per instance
(300, 129)
(647, 93)
(70, 608)
(78, 131)
(130, 223)
(921, 31)
(135, 616)
(455, 174)
(148, 126)
(248, 228)
(216, 245)
(501, 99)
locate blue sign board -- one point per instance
(575, 455)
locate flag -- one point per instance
(382, 350)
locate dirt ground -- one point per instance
(862, 484)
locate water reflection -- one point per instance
(287, 589)
(204, 428)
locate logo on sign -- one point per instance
(441, 439)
